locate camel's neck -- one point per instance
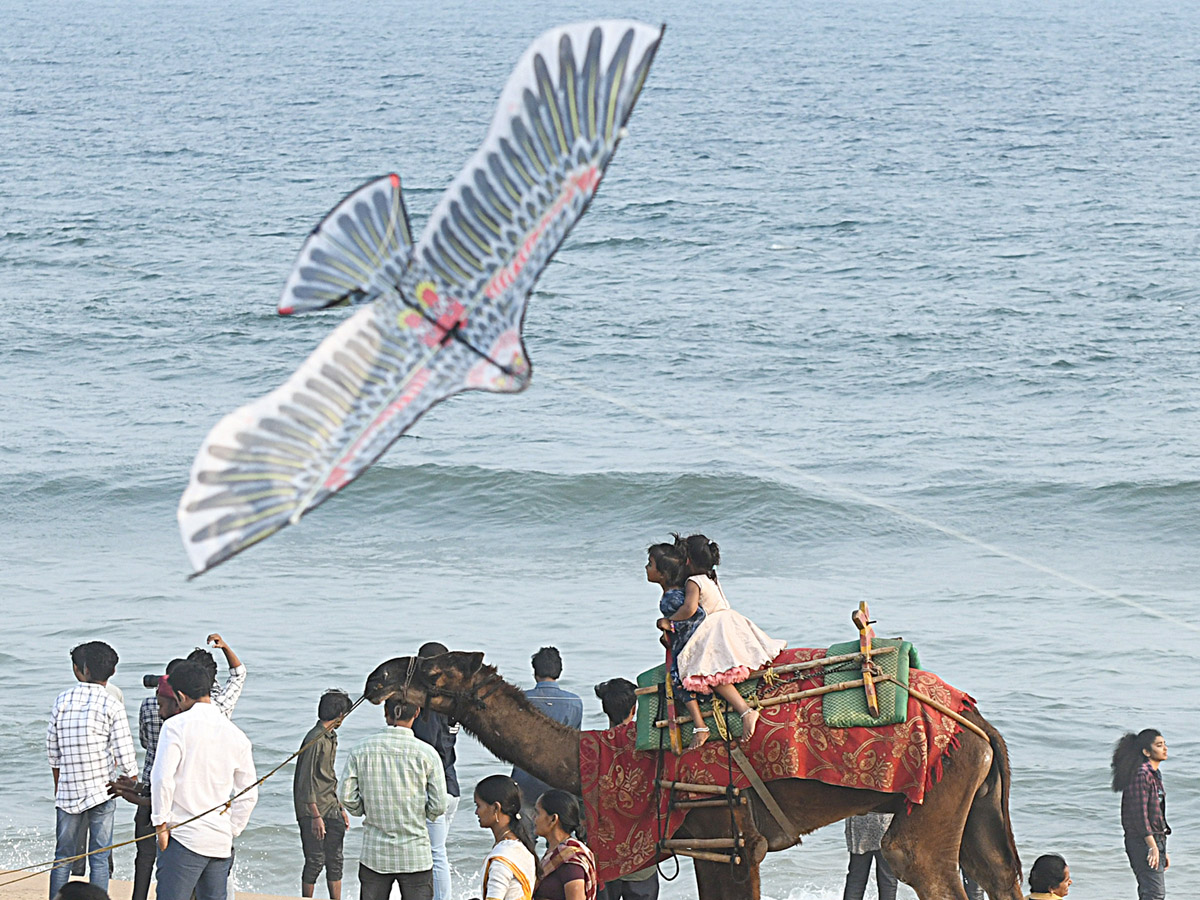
(513, 730)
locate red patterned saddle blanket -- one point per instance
(791, 741)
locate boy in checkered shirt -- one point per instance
(88, 741)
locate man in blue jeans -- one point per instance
(88, 739)
(439, 733)
(560, 705)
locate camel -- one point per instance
(963, 821)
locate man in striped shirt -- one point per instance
(88, 739)
(397, 784)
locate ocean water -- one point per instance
(897, 304)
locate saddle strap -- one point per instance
(761, 789)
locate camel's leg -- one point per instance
(722, 881)
(988, 853)
(922, 847)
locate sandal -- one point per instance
(699, 738)
(749, 721)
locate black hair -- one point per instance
(80, 890)
(1128, 756)
(190, 679)
(172, 664)
(703, 555)
(566, 807)
(547, 663)
(669, 559)
(432, 648)
(398, 709)
(503, 790)
(204, 659)
(617, 697)
(98, 658)
(333, 704)
(1047, 872)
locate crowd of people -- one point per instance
(402, 782)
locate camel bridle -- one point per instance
(470, 697)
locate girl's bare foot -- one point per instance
(699, 738)
(749, 721)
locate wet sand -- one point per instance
(37, 888)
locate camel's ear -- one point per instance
(474, 663)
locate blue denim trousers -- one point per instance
(439, 828)
(181, 871)
(1151, 883)
(97, 824)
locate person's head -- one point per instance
(1131, 751)
(203, 658)
(664, 565)
(1050, 875)
(398, 711)
(547, 664)
(618, 698)
(333, 706)
(558, 816)
(168, 702)
(702, 555)
(94, 662)
(432, 648)
(80, 890)
(191, 683)
(498, 806)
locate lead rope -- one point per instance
(223, 807)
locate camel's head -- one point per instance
(433, 681)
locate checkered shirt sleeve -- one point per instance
(149, 728)
(226, 696)
(88, 739)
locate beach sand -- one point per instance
(37, 888)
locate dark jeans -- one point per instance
(974, 891)
(322, 854)
(143, 863)
(373, 885)
(860, 871)
(630, 890)
(181, 871)
(1152, 883)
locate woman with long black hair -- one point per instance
(1135, 776)
(511, 869)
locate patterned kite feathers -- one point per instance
(439, 316)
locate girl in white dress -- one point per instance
(510, 871)
(726, 646)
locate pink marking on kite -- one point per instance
(394, 179)
(584, 182)
(338, 476)
(286, 310)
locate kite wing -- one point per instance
(355, 254)
(448, 321)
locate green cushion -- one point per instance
(651, 708)
(848, 709)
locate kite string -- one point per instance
(224, 805)
(864, 499)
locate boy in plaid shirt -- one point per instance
(87, 741)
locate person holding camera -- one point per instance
(154, 711)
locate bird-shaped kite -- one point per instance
(441, 316)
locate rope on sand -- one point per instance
(223, 807)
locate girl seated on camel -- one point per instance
(726, 646)
(665, 567)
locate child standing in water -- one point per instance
(726, 646)
(680, 619)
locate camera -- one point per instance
(150, 681)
